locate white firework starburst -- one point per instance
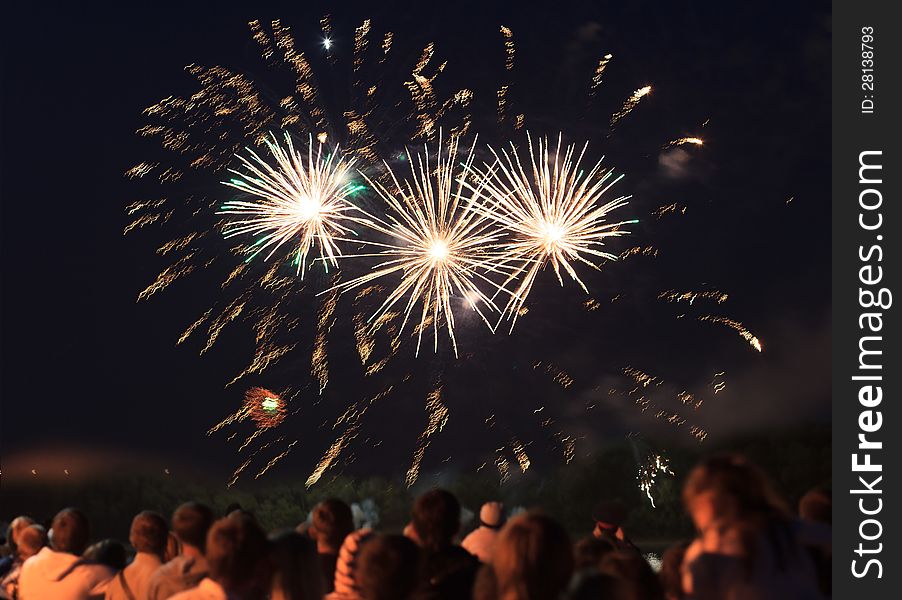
(439, 246)
(300, 201)
(553, 216)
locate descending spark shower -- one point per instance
(447, 234)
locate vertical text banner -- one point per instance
(867, 365)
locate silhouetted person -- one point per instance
(533, 559)
(746, 548)
(347, 586)
(631, 569)
(29, 542)
(446, 570)
(8, 550)
(190, 523)
(609, 517)
(296, 568)
(332, 521)
(236, 555)
(815, 532)
(670, 576)
(109, 552)
(58, 571)
(148, 536)
(388, 568)
(481, 541)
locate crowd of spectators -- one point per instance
(748, 546)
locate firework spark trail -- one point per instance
(649, 471)
(718, 383)
(554, 217)
(351, 419)
(167, 276)
(690, 297)
(275, 459)
(747, 335)
(694, 141)
(671, 208)
(508, 47)
(441, 248)
(320, 359)
(644, 380)
(504, 469)
(599, 71)
(437, 418)
(423, 94)
(147, 219)
(520, 454)
(558, 375)
(686, 398)
(638, 251)
(297, 201)
(630, 104)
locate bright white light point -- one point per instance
(307, 209)
(553, 234)
(439, 250)
(327, 43)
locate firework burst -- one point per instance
(553, 217)
(301, 201)
(437, 243)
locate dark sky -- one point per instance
(85, 367)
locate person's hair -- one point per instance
(670, 574)
(589, 551)
(70, 531)
(149, 533)
(297, 573)
(190, 522)
(816, 505)
(740, 489)
(634, 573)
(744, 503)
(31, 540)
(436, 518)
(388, 567)
(332, 522)
(533, 558)
(235, 547)
(108, 552)
(15, 527)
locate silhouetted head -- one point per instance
(236, 546)
(388, 567)
(533, 558)
(190, 522)
(728, 489)
(297, 574)
(149, 533)
(332, 522)
(436, 519)
(70, 531)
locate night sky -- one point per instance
(87, 369)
